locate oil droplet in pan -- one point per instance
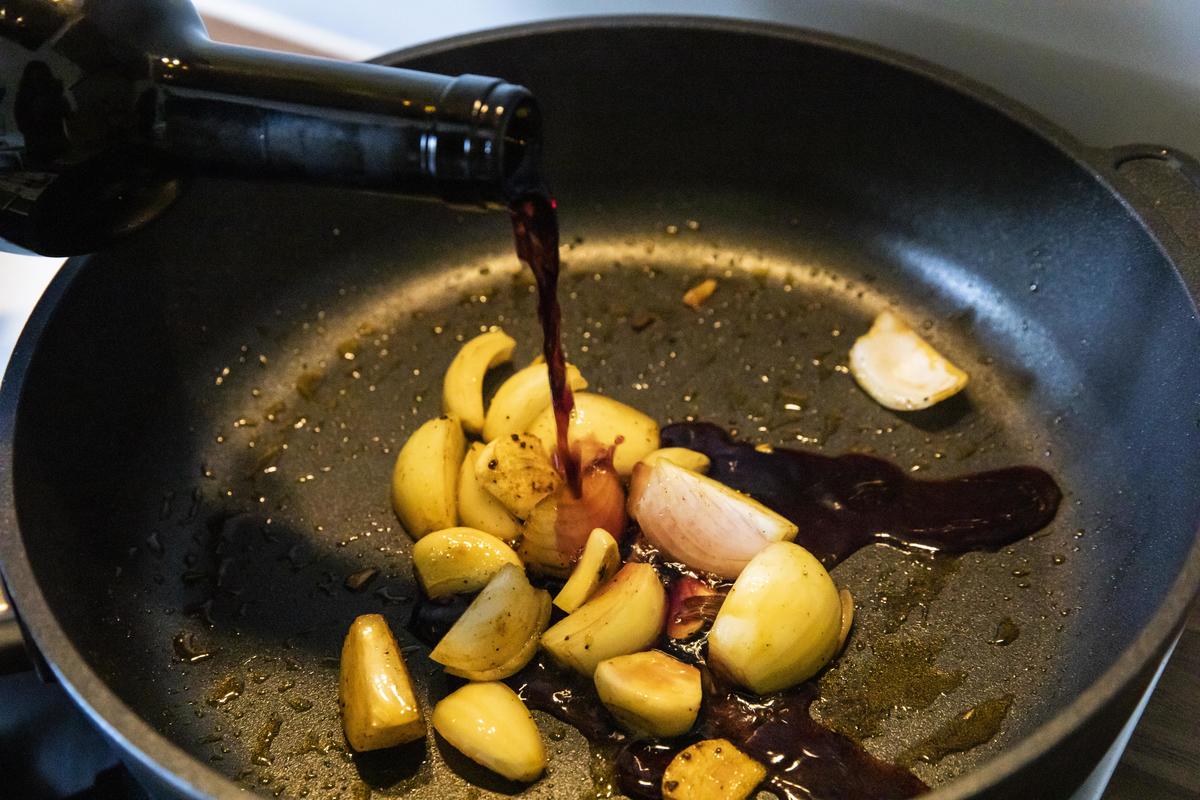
(261, 755)
(1006, 632)
(189, 649)
(227, 690)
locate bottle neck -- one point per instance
(468, 139)
(106, 106)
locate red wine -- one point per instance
(568, 696)
(844, 503)
(804, 759)
(535, 229)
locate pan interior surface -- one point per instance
(206, 434)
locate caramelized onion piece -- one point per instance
(558, 527)
(693, 604)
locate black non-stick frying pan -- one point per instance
(198, 427)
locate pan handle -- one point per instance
(1184, 164)
(13, 655)
(1166, 187)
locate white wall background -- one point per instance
(1111, 71)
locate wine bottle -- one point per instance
(108, 106)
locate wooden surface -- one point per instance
(1163, 756)
(221, 31)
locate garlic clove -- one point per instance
(713, 769)
(596, 424)
(379, 708)
(459, 560)
(600, 559)
(462, 386)
(779, 624)
(625, 616)
(681, 456)
(521, 398)
(701, 522)
(425, 477)
(488, 723)
(516, 471)
(650, 693)
(479, 508)
(899, 369)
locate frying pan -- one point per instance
(198, 425)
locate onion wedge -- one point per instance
(499, 632)
(462, 387)
(700, 522)
(692, 604)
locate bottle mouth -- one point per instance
(486, 148)
(521, 140)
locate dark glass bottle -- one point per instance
(106, 106)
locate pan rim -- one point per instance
(172, 765)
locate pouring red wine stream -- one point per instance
(535, 229)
